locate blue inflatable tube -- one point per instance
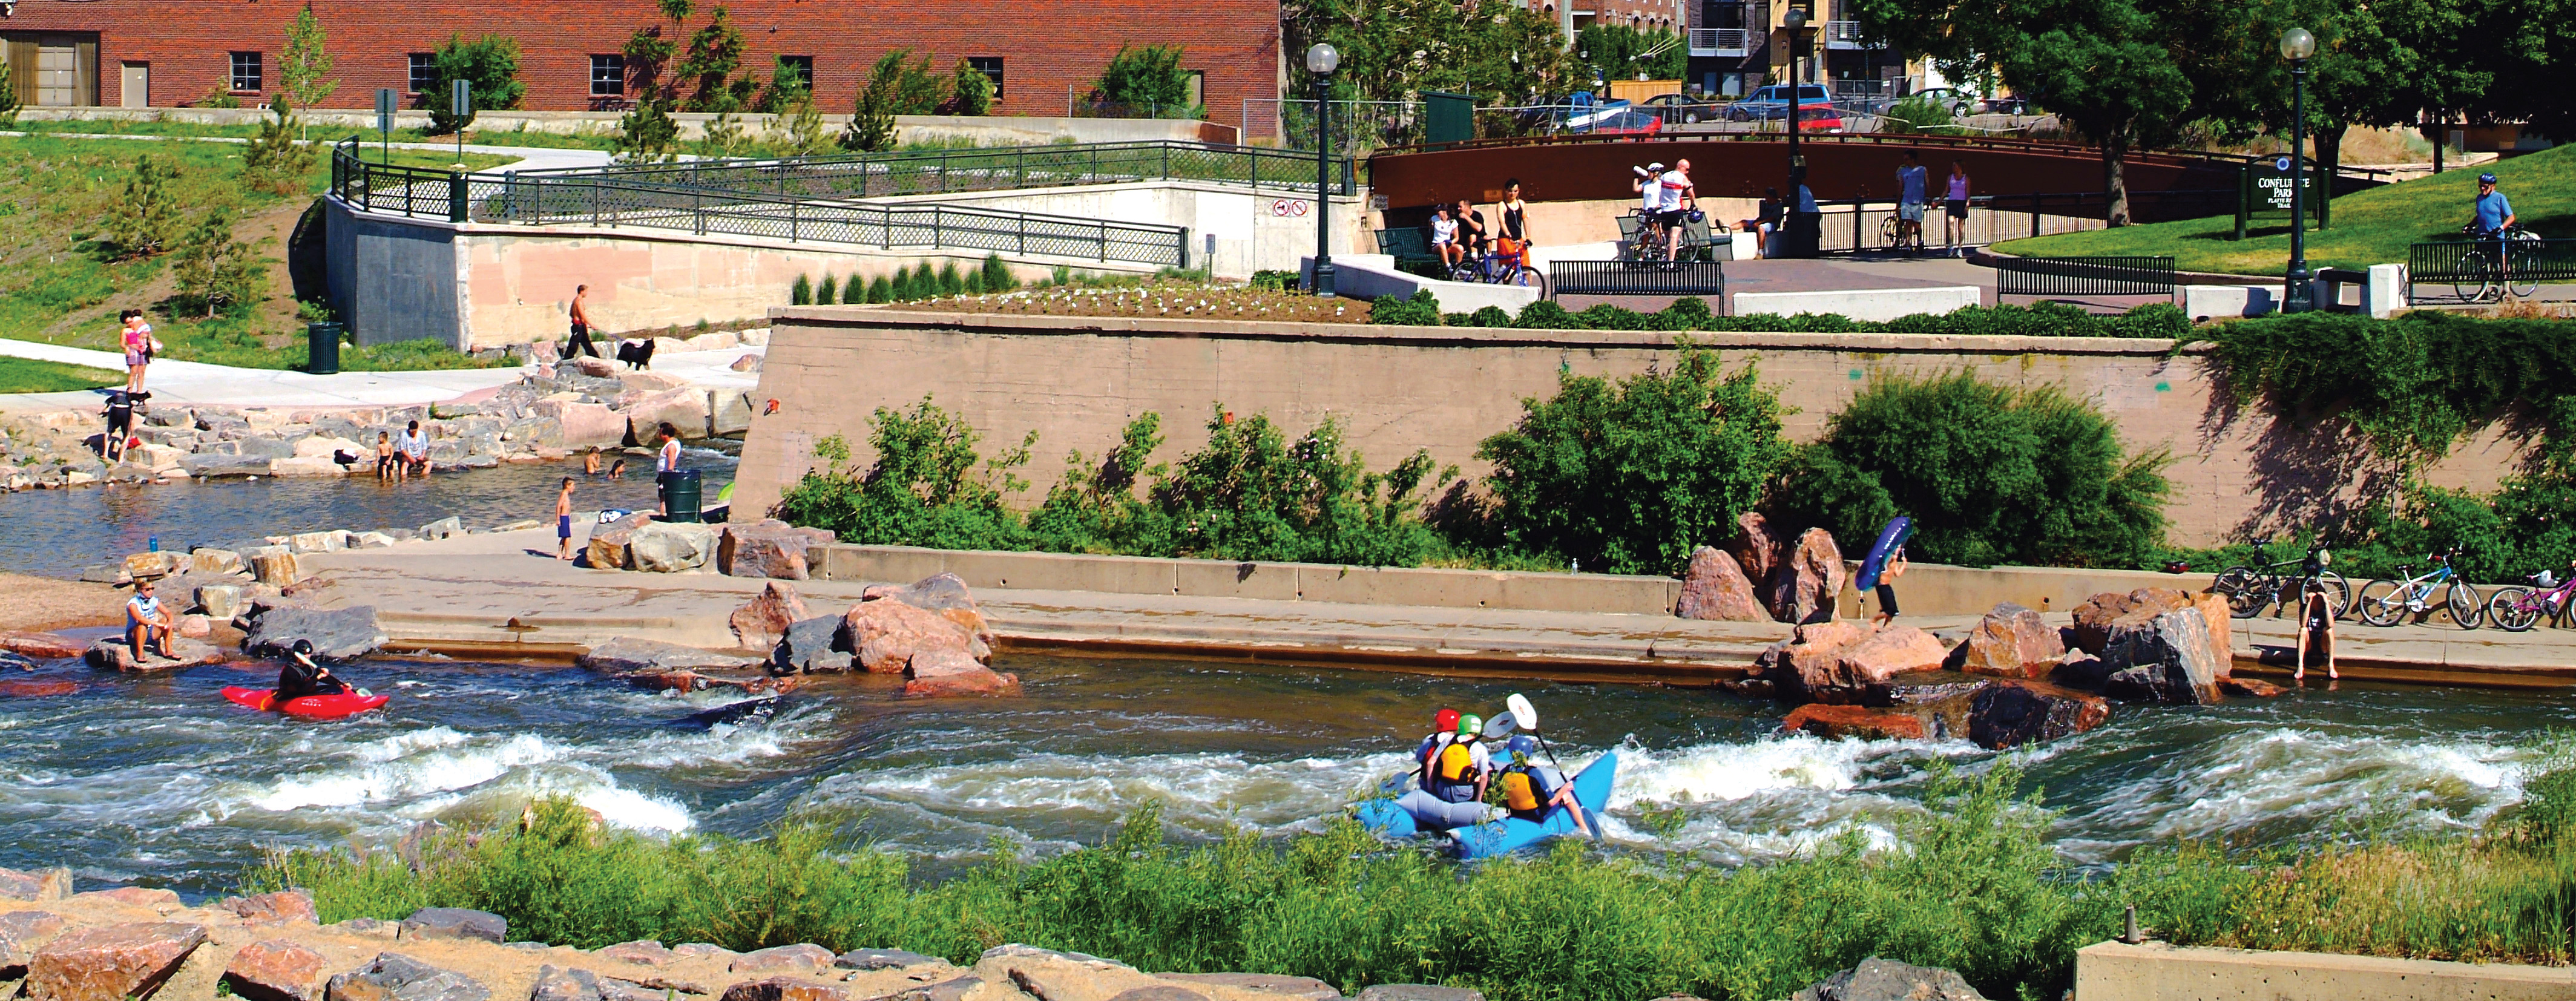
(1890, 539)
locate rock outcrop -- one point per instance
(110, 962)
(783, 959)
(2012, 642)
(1878, 979)
(336, 634)
(931, 631)
(763, 620)
(1808, 581)
(1714, 587)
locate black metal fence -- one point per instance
(1637, 278)
(2469, 270)
(1869, 225)
(2084, 276)
(932, 172)
(594, 200)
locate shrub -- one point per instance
(970, 92)
(1990, 474)
(1422, 310)
(928, 486)
(139, 224)
(949, 282)
(1148, 79)
(489, 65)
(801, 291)
(997, 275)
(1629, 478)
(879, 290)
(1914, 114)
(826, 292)
(897, 85)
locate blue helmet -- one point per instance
(1521, 744)
(2486, 179)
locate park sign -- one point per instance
(2263, 191)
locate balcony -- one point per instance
(1722, 42)
(1847, 35)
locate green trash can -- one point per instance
(322, 348)
(681, 495)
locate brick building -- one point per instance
(166, 53)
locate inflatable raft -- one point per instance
(1404, 817)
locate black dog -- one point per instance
(637, 355)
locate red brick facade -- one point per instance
(1046, 47)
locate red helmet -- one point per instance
(1444, 721)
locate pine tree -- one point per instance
(949, 284)
(801, 291)
(214, 269)
(139, 224)
(880, 290)
(997, 275)
(823, 294)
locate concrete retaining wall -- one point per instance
(1078, 380)
(1880, 304)
(1233, 231)
(2111, 971)
(1367, 276)
(391, 280)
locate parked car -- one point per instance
(1815, 108)
(1623, 121)
(1960, 102)
(1684, 109)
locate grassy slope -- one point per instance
(21, 375)
(56, 285)
(2370, 227)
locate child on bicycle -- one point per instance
(1444, 237)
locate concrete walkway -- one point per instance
(187, 382)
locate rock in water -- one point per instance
(2012, 642)
(626, 655)
(2098, 615)
(1885, 654)
(336, 634)
(810, 646)
(1715, 588)
(1878, 979)
(2080, 671)
(1806, 585)
(887, 634)
(276, 970)
(1834, 722)
(41, 646)
(763, 620)
(979, 681)
(110, 962)
(21, 934)
(455, 923)
(2013, 713)
(2250, 687)
(2166, 659)
(38, 886)
(115, 655)
(396, 977)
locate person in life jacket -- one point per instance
(302, 676)
(1456, 768)
(1531, 791)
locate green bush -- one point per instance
(2046, 319)
(970, 92)
(490, 67)
(801, 291)
(1148, 78)
(827, 291)
(1629, 478)
(949, 282)
(880, 290)
(928, 486)
(997, 275)
(1990, 474)
(1422, 310)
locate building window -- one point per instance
(1198, 88)
(608, 75)
(424, 72)
(990, 66)
(804, 67)
(246, 75)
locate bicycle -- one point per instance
(2517, 608)
(2480, 276)
(2383, 602)
(2250, 589)
(1494, 267)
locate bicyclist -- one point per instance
(1515, 224)
(1680, 200)
(1650, 203)
(1444, 237)
(2492, 216)
(1911, 180)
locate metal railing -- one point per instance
(933, 172)
(605, 201)
(1868, 225)
(2469, 266)
(1847, 35)
(1721, 41)
(2084, 276)
(1636, 278)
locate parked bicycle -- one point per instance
(2516, 608)
(2251, 589)
(2483, 275)
(1495, 267)
(2383, 602)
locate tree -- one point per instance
(275, 156)
(792, 98)
(648, 133)
(304, 62)
(1149, 78)
(715, 52)
(1498, 51)
(897, 85)
(970, 93)
(214, 269)
(8, 99)
(139, 223)
(490, 67)
(1619, 52)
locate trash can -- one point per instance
(681, 492)
(1801, 236)
(322, 348)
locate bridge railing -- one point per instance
(934, 172)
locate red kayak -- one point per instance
(309, 707)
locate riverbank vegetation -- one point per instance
(1970, 884)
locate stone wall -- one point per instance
(1395, 389)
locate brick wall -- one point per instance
(1046, 46)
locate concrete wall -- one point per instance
(1233, 230)
(1880, 304)
(1077, 381)
(2111, 971)
(392, 281)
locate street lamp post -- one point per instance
(2298, 295)
(1322, 60)
(1796, 21)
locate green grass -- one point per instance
(22, 375)
(2369, 227)
(324, 133)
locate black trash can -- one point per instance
(1801, 236)
(681, 494)
(322, 347)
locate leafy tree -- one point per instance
(139, 223)
(649, 133)
(970, 92)
(1619, 52)
(791, 97)
(1150, 78)
(897, 85)
(1499, 51)
(1629, 477)
(214, 269)
(1990, 474)
(490, 67)
(304, 61)
(8, 99)
(715, 53)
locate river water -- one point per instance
(159, 781)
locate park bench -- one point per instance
(1408, 246)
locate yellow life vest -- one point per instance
(1518, 793)
(1457, 764)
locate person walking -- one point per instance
(2316, 629)
(1911, 180)
(1887, 575)
(1954, 201)
(139, 345)
(581, 344)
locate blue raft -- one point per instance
(1509, 834)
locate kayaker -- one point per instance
(1531, 791)
(302, 676)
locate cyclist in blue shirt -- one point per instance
(2493, 216)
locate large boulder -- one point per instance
(21, 934)
(643, 952)
(2013, 713)
(671, 547)
(2080, 671)
(275, 566)
(2099, 614)
(1834, 722)
(2222, 629)
(684, 409)
(886, 634)
(1943, 700)
(953, 672)
(2012, 642)
(37, 886)
(455, 923)
(761, 621)
(396, 977)
(110, 962)
(2166, 659)
(209, 560)
(782, 959)
(284, 907)
(1808, 583)
(1060, 976)
(811, 646)
(1267, 985)
(1714, 587)
(883, 959)
(728, 412)
(1885, 654)
(112, 654)
(607, 547)
(626, 655)
(553, 984)
(41, 646)
(1808, 654)
(1757, 547)
(945, 593)
(278, 969)
(1878, 979)
(336, 634)
(768, 548)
